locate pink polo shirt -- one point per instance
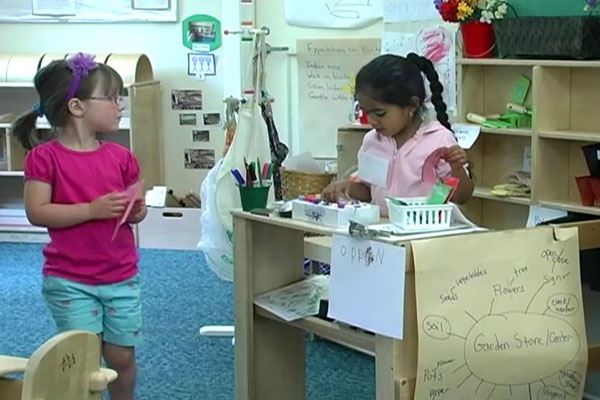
(406, 163)
(85, 253)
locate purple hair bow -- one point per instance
(81, 64)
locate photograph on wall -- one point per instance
(186, 99)
(199, 158)
(200, 135)
(187, 119)
(212, 119)
(201, 64)
(201, 33)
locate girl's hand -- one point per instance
(138, 211)
(111, 205)
(334, 191)
(456, 156)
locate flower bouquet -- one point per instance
(475, 17)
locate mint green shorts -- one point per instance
(113, 310)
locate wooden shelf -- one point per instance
(570, 206)
(486, 193)
(571, 135)
(27, 85)
(125, 124)
(357, 340)
(508, 132)
(528, 62)
(12, 173)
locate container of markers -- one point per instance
(254, 197)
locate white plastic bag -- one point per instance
(215, 241)
(251, 141)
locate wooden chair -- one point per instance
(66, 367)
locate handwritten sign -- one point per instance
(326, 70)
(366, 287)
(503, 321)
(538, 214)
(466, 134)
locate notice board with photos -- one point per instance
(92, 11)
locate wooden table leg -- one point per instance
(269, 356)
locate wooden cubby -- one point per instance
(139, 129)
(564, 98)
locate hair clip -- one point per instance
(357, 230)
(39, 110)
(81, 64)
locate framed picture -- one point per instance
(201, 64)
(186, 99)
(199, 158)
(187, 119)
(200, 136)
(211, 119)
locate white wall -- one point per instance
(162, 42)
(282, 72)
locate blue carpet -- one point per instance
(180, 294)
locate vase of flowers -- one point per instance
(474, 17)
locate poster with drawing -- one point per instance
(438, 44)
(409, 10)
(503, 321)
(333, 13)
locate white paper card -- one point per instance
(537, 215)
(366, 287)
(151, 4)
(53, 7)
(373, 169)
(409, 10)
(156, 197)
(466, 134)
(298, 300)
(527, 159)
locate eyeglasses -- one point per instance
(117, 100)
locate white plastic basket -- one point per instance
(418, 215)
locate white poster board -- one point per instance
(438, 44)
(88, 11)
(341, 14)
(326, 68)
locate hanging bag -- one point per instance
(251, 140)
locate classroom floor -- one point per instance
(175, 363)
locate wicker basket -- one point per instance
(295, 183)
(548, 37)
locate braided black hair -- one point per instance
(397, 80)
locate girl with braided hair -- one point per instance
(390, 89)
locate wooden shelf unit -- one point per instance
(564, 98)
(139, 129)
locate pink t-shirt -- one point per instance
(85, 253)
(405, 165)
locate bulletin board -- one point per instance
(88, 11)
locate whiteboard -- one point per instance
(88, 11)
